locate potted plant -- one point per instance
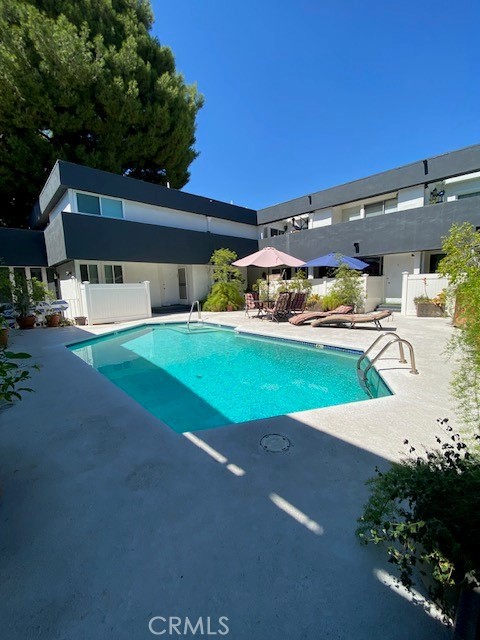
(430, 307)
(53, 319)
(25, 296)
(23, 304)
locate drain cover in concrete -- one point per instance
(275, 442)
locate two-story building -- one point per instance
(98, 227)
(394, 220)
(91, 225)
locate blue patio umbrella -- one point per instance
(335, 260)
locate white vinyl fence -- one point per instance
(420, 284)
(373, 288)
(115, 302)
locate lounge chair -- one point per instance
(353, 318)
(313, 315)
(280, 309)
(298, 302)
(252, 303)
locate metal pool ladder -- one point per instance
(199, 310)
(395, 339)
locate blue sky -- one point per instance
(301, 95)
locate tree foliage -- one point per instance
(427, 510)
(85, 81)
(461, 265)
(227, 282)
(223, 270)
(347, 288)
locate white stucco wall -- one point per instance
(64, 204)
(321, 218)
(201, 282)
(229, 228)
(150, 214)
(411, 198)
(141, 271)
(137, 212)
(462, 185)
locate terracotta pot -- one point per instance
(26, 322)
(3, 337)
(229, 307)
(53, 320)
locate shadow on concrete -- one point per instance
(110, 518)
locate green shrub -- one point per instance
(223, 295)
(461, 265)
(427, 509)
(228, 283)
(348, 286)
(331, 301)
(298, 284)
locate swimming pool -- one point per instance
(213, 376)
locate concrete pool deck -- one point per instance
(110, 518)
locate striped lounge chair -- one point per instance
(353, 318)
(303, 318)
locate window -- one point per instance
(375, 266)
(88, 204)
(375, 209)
(468, 195)
(99, 206)
(433, 262)
(379, 208)
(89, 273)
(36, 273)
(352, 213)
(113, 274)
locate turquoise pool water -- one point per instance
(211, 376)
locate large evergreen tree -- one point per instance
(85, 81)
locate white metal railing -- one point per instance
(199, 310)
(393, 338)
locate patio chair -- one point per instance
(252, 303)
(298, 302)
(353, 319)
(280, 309)
(303, 318)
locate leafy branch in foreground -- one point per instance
(461, 265)
(427, 510)
(13, 375)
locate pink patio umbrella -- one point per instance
(268, 258)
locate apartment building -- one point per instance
(98, 227)
(394, 220)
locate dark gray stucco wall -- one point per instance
(76, 236)
(401, 232)
(22, 247)
(68, 175)
(438, 167)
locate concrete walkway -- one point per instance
(110, 518)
